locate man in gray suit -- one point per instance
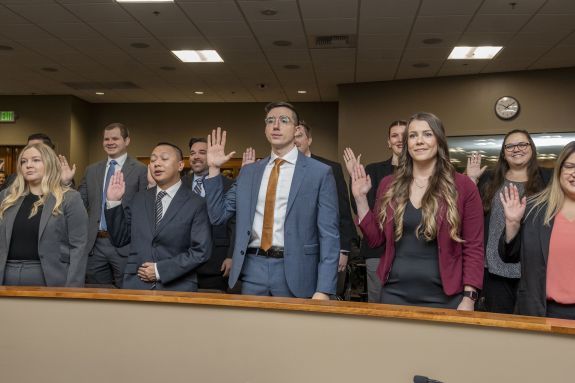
(106, 262)
(286, 208)
(168, 227)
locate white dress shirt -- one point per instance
(282, 194)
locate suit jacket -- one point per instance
(179, 244)
(459, 263)
(347, 230)
(377, 171)
(221, 236)
(61, 240)
(92, 186)
(531, 248)
(311, 232)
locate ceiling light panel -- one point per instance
(474, 53)
(205, 56)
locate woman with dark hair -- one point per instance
(517, 164)
(429, 219)
(43, 225)
(543, 242)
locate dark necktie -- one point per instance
(269, 207)
(109, 174)
(159, 207)
(199, 186)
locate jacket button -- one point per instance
(249, 232)
(242, 252)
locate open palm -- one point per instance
(216, 155)
(117, 187)
(360, 182)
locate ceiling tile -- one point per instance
(484, 38)
(223, 28)
(544, 23)
(95, 13)
(558, 6)
(386, 41)
(212, 11)
(441, 24)
(499, 7)
(76, 30)
(286, 10)
(387, 8)
(39, 13)
(156, 12)
(328, 9)
(497, 23)
(320, 27)
(121, 29)
(395, 25)
(448, 7)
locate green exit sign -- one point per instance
(7, 116)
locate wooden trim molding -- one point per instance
(515, 322)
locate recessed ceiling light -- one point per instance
(269, 12)
(140, 45)
(198, 92)
(50, 69)
(302, 91)
(282, 43)
(6, 48)
(205, 56)
(99, 93)
(474, 53)
(432, 41)
(291, 66)
(420, 65)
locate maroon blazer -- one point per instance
(459, 263)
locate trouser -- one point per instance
(264, 276)
(374, 285)
(105, 265)
(24, 273)
(499, 293)
(558, 310)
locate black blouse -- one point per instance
(24, 239)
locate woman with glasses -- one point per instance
(429, 219)
(543, 242)
(43, 225)
(517, 165)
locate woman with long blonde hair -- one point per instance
(430, 220)
(543, 242)
(45, 224)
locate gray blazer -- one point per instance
(91, 187)
(61, 240)
(311, 231)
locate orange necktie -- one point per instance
(268, 227)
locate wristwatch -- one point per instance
(473, 295)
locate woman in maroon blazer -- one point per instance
(430, 219)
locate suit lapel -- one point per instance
(298, 177)
(256, 184)
(10, 217)
(175, 206)
(128, 167)
(46, 213)
(101, 177)
(151, 208)
(545, 237)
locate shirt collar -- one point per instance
(172, 190)
(120, 160)
(290, 156)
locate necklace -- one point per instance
(419, 186)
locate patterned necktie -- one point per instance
(199, 186)
(159, 206)
(109, 174)
(268, 226)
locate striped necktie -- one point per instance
(199, 185)
(159, 207)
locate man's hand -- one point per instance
(249, 157)
(216, 155)
(67, 172)
(343, 257)
(147, 272)
(117, 187)
(226, 267)
(320, 296)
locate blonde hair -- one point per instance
(439, 198)
(50, 184)
(553, 195)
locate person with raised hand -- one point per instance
(286, 209)
(539, 234)
(428, 219)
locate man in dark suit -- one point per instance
(168, 226)
(105, 261)
(347, 232)
(287, 236)
(377, 171)
(213, 274)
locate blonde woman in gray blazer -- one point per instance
(43, 225)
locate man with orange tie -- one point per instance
(287, 224)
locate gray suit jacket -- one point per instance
(311, 231)
(180, 243)
(135, 176)
(61, 240)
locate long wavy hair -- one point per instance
(534, 182)
(439, 198)
(50, 184)
(553, 195)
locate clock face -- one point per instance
(506, 108)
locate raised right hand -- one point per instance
(360, 182)
(249, 156)
(116, 187)
(513, 206)
(216, 155)
(474, 169)
(350, 160)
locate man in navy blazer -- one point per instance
(167, 226)
(287, 235)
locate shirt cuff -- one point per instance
(112, 204)
(156, 271)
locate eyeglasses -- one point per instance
(284, 120)
(568, 168)
(520, 145)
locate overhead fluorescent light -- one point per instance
(199, 92)
(99, 93)
(302, 91)
(474, 53)
(145, 1)
(207, 56)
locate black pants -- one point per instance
(499, 293)
(561, 311)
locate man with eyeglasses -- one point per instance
(286, 209)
